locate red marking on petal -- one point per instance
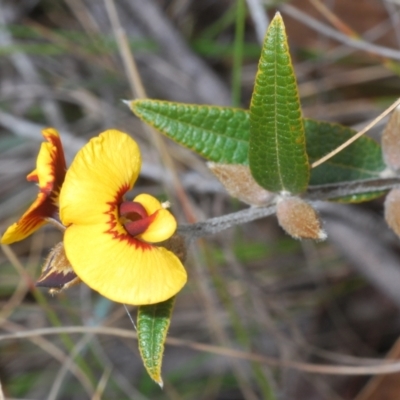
(58, 166)
(47, 200)
(115, 226)
(32, 177)
(42, 209)
(46, 204)
(58, 160)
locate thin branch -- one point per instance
(102, 384)
(54, 352)
(375, 368)
(138, 91)
(356, 136)
(334, 19)
(340, 37)
(129, 63)
(66, 366)
(259, 17)
(342, 189)
(218, 224)
(314, 193)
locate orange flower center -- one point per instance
(134, 217)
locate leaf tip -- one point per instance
(160, 382)
(127, 102)
(277, 19)
(156, 376)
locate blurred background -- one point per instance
(250, 288)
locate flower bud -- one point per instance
(392, 210)
(391, 141)
(299, 219)
(239, 183)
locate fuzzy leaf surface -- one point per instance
(152, 326)
(277, 152)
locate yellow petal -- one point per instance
(17, 232)
(49, 173)
(50, 163)
(162, 227)
(44, 172)
(164, 223)
(102, 171)
(150, 203)
(122, 268)
(33, 219)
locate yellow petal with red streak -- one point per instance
(49, 173)
(102, 171)
(122, 268)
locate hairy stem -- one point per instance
(314, 193)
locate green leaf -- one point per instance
(361, 160)
(359, 198)
(277, 152)
(152, 327)
(219, 134)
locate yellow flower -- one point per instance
(109, 241)
(49, 174)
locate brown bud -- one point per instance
(57, 273)
(391, 141)
(240, 184)
(177, 245)
(299, 219)
(392, 210)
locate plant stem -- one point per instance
(218, 224)
(314, 193)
